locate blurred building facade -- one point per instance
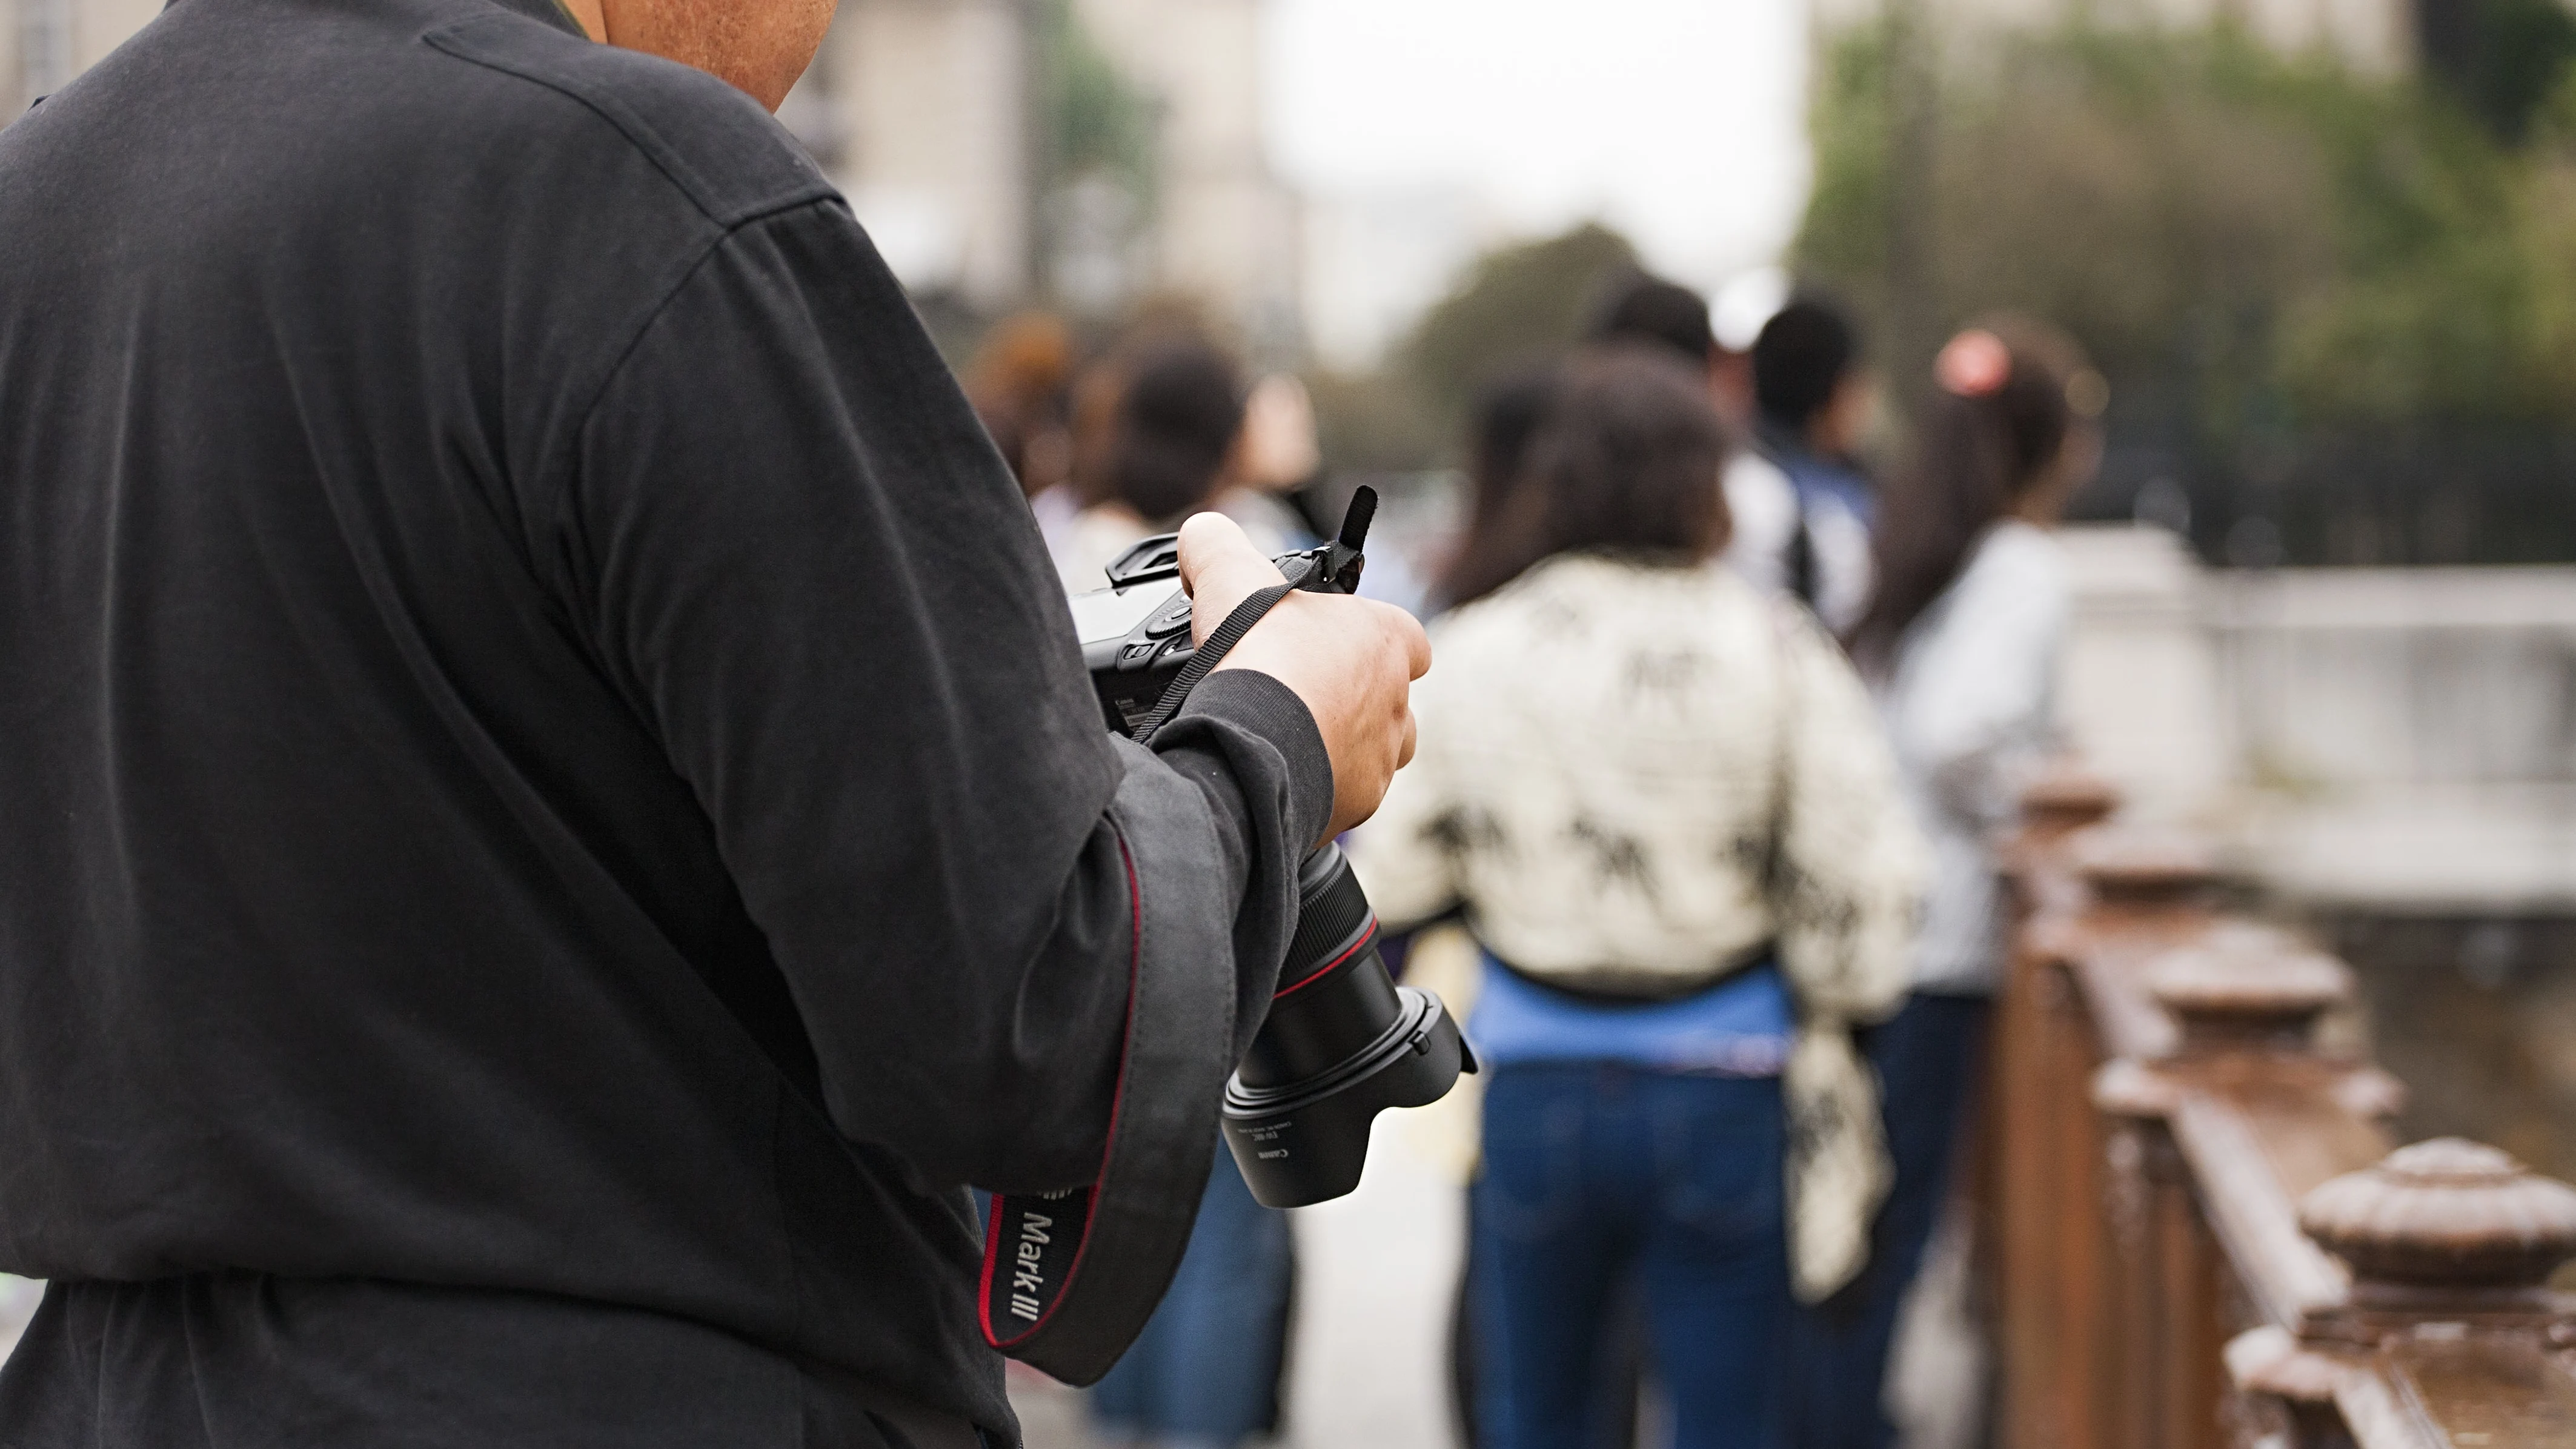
(1224, 228)
(923, 111)
(927, 114)
(2391, 742)
(44, 43)
(918, 110)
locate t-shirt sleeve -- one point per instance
(1851, 862)
(1976, 714)
(791, 546)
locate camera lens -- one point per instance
(1342, 1043)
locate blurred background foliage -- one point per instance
(1512, 303)
(1091, 119)
(2308, 245)
(1095, 159)
(2338, 311)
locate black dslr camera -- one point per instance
(1342, 1041)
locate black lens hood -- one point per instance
(1305, 1142)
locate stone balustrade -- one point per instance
(2195, 1225)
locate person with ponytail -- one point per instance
(1959, 644)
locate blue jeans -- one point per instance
(1206, 1368)
(1597, 1176)
(1926, 1057)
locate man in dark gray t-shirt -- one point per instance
(551, 819)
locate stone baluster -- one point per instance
(2146, 871)
(2248, 987)
(2445, 1223)
(2233, 1002)
(2065, 797)
(2449, 1335)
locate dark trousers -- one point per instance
(1926, 1058)
(1206, 1368)
(1600, 1176)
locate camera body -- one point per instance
(1136, 633)
(1342, 1041)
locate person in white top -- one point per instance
(1174, 446)
(1768, 516)
(1960, 645)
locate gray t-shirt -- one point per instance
(551, 816)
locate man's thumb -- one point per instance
(1219, 568)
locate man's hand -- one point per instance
(1353, 661)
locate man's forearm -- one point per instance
(1205, 834)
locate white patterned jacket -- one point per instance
(1636, 778)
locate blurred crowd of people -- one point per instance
(1161, 422)
(1722, 725)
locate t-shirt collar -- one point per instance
(550, 12)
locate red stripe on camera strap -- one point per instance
(1033, 1242)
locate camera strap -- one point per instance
(1224, 637)
(1071, 1277)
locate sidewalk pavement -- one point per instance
(1368, 1365)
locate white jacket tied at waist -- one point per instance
(1634, 777)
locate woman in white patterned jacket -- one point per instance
(1662, 803)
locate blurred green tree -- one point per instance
(1095, 158)
(2264, 252)
(2501, 58)
(1510, 303)
(2298, 243)
(1092, 119)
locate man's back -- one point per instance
(433, 831)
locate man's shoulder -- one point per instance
(713, 144)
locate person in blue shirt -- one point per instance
(1813, 403)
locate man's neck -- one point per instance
(590, 15)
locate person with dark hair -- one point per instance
(1502, 419)
(1805, 377)
(1170, 444)
(1810, 543)
(1960, 643)
(1021, 385)
(1177, 426)
(1812, 403)
(1643, 308)
(1663, 808)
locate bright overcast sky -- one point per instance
(1678, 121)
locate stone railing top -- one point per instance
(2448, 1214)
(2246, 984)
(2136, 866)
(2066, 796)
(2435, 1330)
